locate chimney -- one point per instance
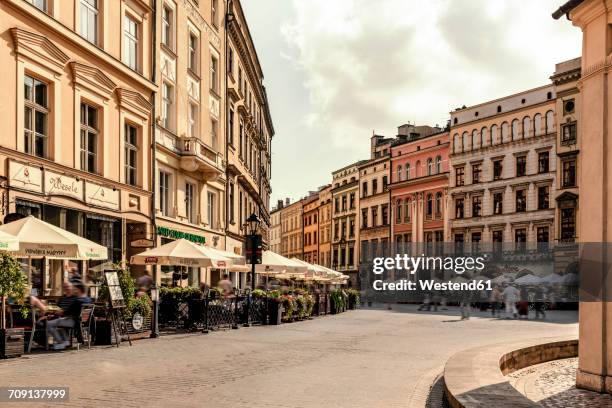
(287, 201)
(279, 204)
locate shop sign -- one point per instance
(150, 260)
(142, 243)
(101, 196)
(63, 185)
(174, 234)
(25, 177)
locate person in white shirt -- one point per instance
(511, 295)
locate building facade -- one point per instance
(374, 212)
(325, 225)
(419, 189)
(345, 227)
(275, 229)
(292, 229)
(310, 221)
(503, 169)
(77, 117)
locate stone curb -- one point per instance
(476, 377)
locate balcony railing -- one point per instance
(197, 156)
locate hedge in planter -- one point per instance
(338, 301)
(13, 283)
(353, 298)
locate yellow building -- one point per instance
(75, 150)
(292, 229)
(325, 225)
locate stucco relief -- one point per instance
(193, 88)
(213, 104)
(195, 17)
(168, 66)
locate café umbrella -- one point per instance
(181, 253)
(8, 242)
(39, 239)
(272, 262)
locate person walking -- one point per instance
(511, 296)
(494, 301)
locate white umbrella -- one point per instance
(181, 253)
(273, 262)
(8, 242)
(570, 279)
(553, 279)
(528, 279)
(501, 279)
(238, 262)
(38, 239)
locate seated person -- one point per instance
(70, 310)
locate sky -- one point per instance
(338, 70)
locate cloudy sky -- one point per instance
(337, 70)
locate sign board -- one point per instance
(174, 234)
(25, 177)
(137, 321)
(142, 243)
(101, 196)
(114, 289)
(63, 185)
(151, 260)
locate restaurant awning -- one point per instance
(181, 253)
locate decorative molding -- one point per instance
(38, 48)
(134, 102)
(197, 18)
(92, 78)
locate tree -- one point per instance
(13, 282)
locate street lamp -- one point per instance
(253, 244)
(155, 300)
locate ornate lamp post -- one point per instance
(155, 299)
(253, 245)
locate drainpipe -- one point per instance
(155, 328)
(226, 103)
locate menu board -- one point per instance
(114, 289)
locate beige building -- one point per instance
(291, 229)
(374, 211)
(75, 150)
(275, 229)
(345, 227)
(503, 169)
(325, 225)
(310, 221)
(250, 132)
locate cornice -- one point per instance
(92, 78)
(134, 102)
(36, 46)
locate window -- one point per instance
(438, 164)
(352, 201)
(193, 120)
(214, 77)
(230, 131)
(543, 197)
(430, 205)
(569, 173)
(190, 202)
(193, 52)
(241, 139)
(407, 210)
(167, 104)
(384, 183)
(459, 208)
(476, 171)
(568, 224)
(459, 176)
(568, 106)
(543, 162)
(537, 121)
(385, 214)
(543, 235)
(36, 117)
(374, 216)
(521, 166)
(407, 171)
(497, 169)
(498, 236)
(230, 60)
(568, 133)
(211, 209)
(364, 218)
(476, 206)
(398, 212)
(374, 186)
(89, 20)
(231, 202)
(399, 173)
(526, 127)
(476, 237)
(521, 201)
(164, 193)
(550, 122)
(89, 138)
(166, 34)
(520, 235)
(131, 154)
(351, 228)
(498, 203)
(430, 166)
(365, 188)
(459, 238)
(130, 39)
(39, 4)
(214, 7)
(438, 205)
(515, 129)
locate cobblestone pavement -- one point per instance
(363, 358)
(552, 385)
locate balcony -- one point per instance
(196, 156)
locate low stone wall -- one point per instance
(476, 377)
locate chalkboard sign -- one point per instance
(114, 289)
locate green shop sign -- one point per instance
(174, 234)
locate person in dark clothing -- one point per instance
(70, 304)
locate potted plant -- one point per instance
(353, 298)
(13, 284)
(338, 302)
(275, 307)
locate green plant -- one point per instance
(259, 293)
(354, 296)
(13, 283)
(289, 306)
(300, 302)
(274, 295)
(133, 304)
(338, 299)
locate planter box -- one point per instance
(11, 343)
(275, 312)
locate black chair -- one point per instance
(82, 327)
(27, 324)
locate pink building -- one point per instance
(419, 187)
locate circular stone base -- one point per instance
(553, 385)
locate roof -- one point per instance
(566, 8)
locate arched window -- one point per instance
(438, 164)
(398, 212)
(438, 205)
(515, 129)
(505, 132)
(537, 121)
(456, 143)
(527, 127)
(407, 210)
(417, 169)
(464, 137)
(429, 205)
(407, 171)
(550, 122)
(494, 135)
(399, 173)
(475, 142)
(484, 137)
(430, 167)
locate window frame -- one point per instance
(31, 135)
(86, 151)
(128, 148)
